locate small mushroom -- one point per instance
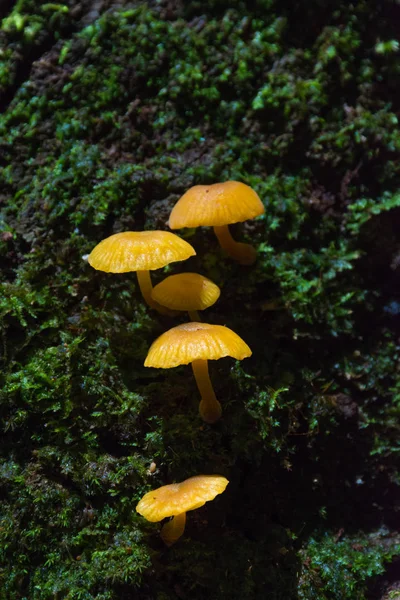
(186, 291)
(140, 251)
(197, 343)
(176, 499)
(218, 205)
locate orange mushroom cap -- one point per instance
(185, 343)
(177, 498)
(139, 251)
(215, 205)
(186, 291)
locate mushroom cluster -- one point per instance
(217, 205)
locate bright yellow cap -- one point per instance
(195, 341)
(177, 498)
(215, 205)
(186, 291)
(139, 251)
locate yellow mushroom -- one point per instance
(218, 205)
(140, 251)
(176, 499)
(186, 291)
(197, 343)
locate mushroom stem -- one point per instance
(210, 409)
(146, 287)
(245, 254)
(194, 315)
(172, 531)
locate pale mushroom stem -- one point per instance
(245, 254)
(172, 531)
(210, 409)
(194, 315)
(146, 287)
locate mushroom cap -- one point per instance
(176, 498)
(215, 205)
(185, 343)
(186, 291)
(139, 251)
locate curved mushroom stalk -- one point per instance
(172, 531)
(146, 287)
(245, 254)
(194, 316)
(210, 409)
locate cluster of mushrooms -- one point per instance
(218, 206)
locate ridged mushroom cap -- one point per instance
(185, 343)
(215, 205)
(177, 498)
(186, 291)
(139, 251)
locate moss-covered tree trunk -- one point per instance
(109, 114)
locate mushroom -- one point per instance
(176, 499)
(186, 291)
(197, 343)
(218, 205)
(140, 251)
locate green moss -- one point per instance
(29, 25)
(339, 568)
(115, 122)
